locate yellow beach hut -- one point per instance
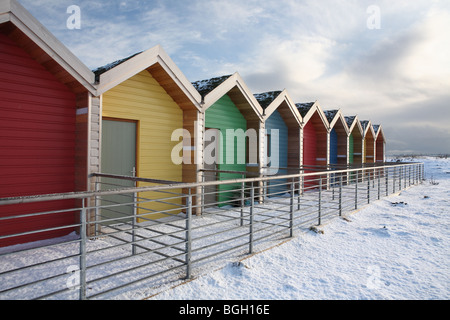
(145, 103)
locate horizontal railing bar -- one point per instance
(38, 231)
(136, 281)
(275, 211)
(87, 194)
(136, 179)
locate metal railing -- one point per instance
(135, 238)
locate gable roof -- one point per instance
(333, 117)
(330, 114)
(266, 98)
(378, 131)
(304, 107)
(234, 86)
(307, 110)
(367, 126)
(100, 70)
(206, 86)
(156, 61)
(281, 101)
(352, 122)
(44, 47)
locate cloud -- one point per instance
(316, 50)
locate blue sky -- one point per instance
(396, 73)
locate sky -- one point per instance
(385, 61)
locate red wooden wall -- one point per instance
(309, 145)
(379, 152)
(309, 151)
(37, 143)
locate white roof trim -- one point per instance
(316, 108)
(31, 27)
(283, 96)
(338, 116)
(355, 123)
(222, 89)
(142, 61)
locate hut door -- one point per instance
(211, 161)
(118, 157)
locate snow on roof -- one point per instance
(330, 114)
(304, 107)
(364, 124)
(206, 86)
(266, 98)
(111, 65)
(349, 120)
(375, 128)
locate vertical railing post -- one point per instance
(202, 200)
(393, 179)
(416, 175)
(291, 210)
(242, 201)
(340, 195)
(97, 205)
(252, 199)
(320, 201)
(423, 171)
(368, 187)
(83, 235)
(386, 177)
(299, 192)
(404, 177)
(134, 222)
(379, 182)
(188, 234)
(356, 190)
(409, 175)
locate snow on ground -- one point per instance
(394, 248)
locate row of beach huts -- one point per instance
(61, 122)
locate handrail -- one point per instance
(136, 179)
(174, 185)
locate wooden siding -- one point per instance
(309, 151)
(142, 99)
(37, 142)
(224, 115)
(357, 152)
(333, 147)
(309, 145)
(369, 151)
(275, 122)
(379, 152)
(315, 146)
(350, 149)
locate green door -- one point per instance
(351, 148)
(118, 157)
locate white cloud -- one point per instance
(316, 50)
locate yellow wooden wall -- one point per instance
(142, 99)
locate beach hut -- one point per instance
(369, 142)
(338, 139)
(355, 140)
(230, 132)
(44, 97)
(282, 136)
(149, 115)
(314, 139)
(380, 143)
